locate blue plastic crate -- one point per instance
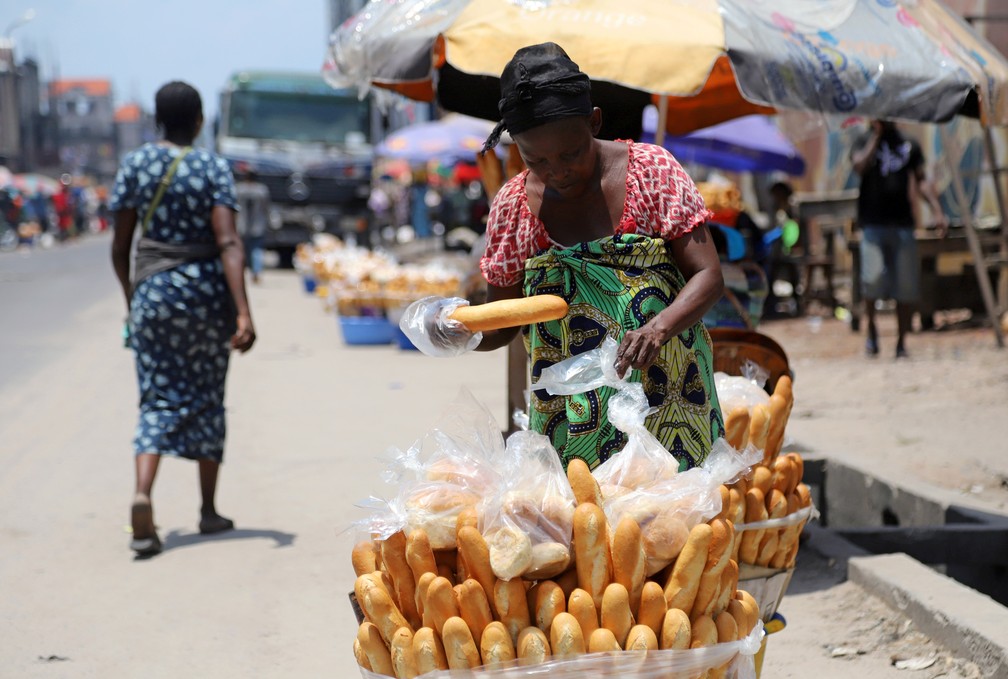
(403, 341)
(366, 330)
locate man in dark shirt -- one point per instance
(892, 175)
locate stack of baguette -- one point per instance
(428, 610)
(773, 489)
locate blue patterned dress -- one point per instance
(182, 319)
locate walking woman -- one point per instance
(186, 300)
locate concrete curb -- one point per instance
(968, 623)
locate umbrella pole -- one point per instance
(659, 135)
(952, 153)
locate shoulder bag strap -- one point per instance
(162, 187)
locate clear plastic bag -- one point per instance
(643, 480)
(449, 469)
(528, 521)
(739, 657)
(741, 391)
(427, 324)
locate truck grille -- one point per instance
(324, 190)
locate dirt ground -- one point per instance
(935, 421)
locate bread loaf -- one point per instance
(359, 655)
(567, 580)
(429, 651)
(789, 534)
(751, 609)
(751, 539)
(460, 649)
(533, 646)
(729, 581)
(759, 426)
(510, 313)
(738, 611)
(510, 551)
(374, 648)
(419, 555)
(602, 641)
(474, 607)
(737, 427)
(496, 645)
(616, 616)
(379, 608)
(684, 580)
(727, 631)
(778, 408)
(581, 605)
(762, 478)
(467, 517)
(362, 557)
(549, 559)
(421, 595)
(584, 485)
(652, 607)
(591, 545)
(704, 632)
(663, 538)
(549, 602)
(676, 630)
(641, 638)
(393, 554)
(403, 659)
(799, 464)
(629, 560)
(566, 639)
(440, 604)
(476, 554)
(512, 609)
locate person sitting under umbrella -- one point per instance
(620, 231)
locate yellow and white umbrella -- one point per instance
(706, 60)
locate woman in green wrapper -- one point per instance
(618, 230)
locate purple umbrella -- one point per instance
(747, 144)
(448, 140)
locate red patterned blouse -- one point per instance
(661, 201)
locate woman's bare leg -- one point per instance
(210, 520)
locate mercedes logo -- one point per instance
(296, 187)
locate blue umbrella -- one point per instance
(747, 144)
(448, 140)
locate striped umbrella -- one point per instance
(701, 61)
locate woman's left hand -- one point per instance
(638, 349)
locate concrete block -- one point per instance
(966, 622)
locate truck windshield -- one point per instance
(297, 117)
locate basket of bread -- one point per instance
(770, 505)
(492, 560)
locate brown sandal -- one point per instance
(145, 540)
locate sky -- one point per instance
(141, 44)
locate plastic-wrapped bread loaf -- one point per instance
(510, 313)
(460, 649)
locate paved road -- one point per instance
(308, 418)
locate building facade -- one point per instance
(87, 131)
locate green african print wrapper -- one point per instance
(611, 286)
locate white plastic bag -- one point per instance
(528, 520)
(427, 324)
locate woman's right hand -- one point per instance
(244, 336)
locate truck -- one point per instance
(309, 143)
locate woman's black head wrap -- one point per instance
(538, 85)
